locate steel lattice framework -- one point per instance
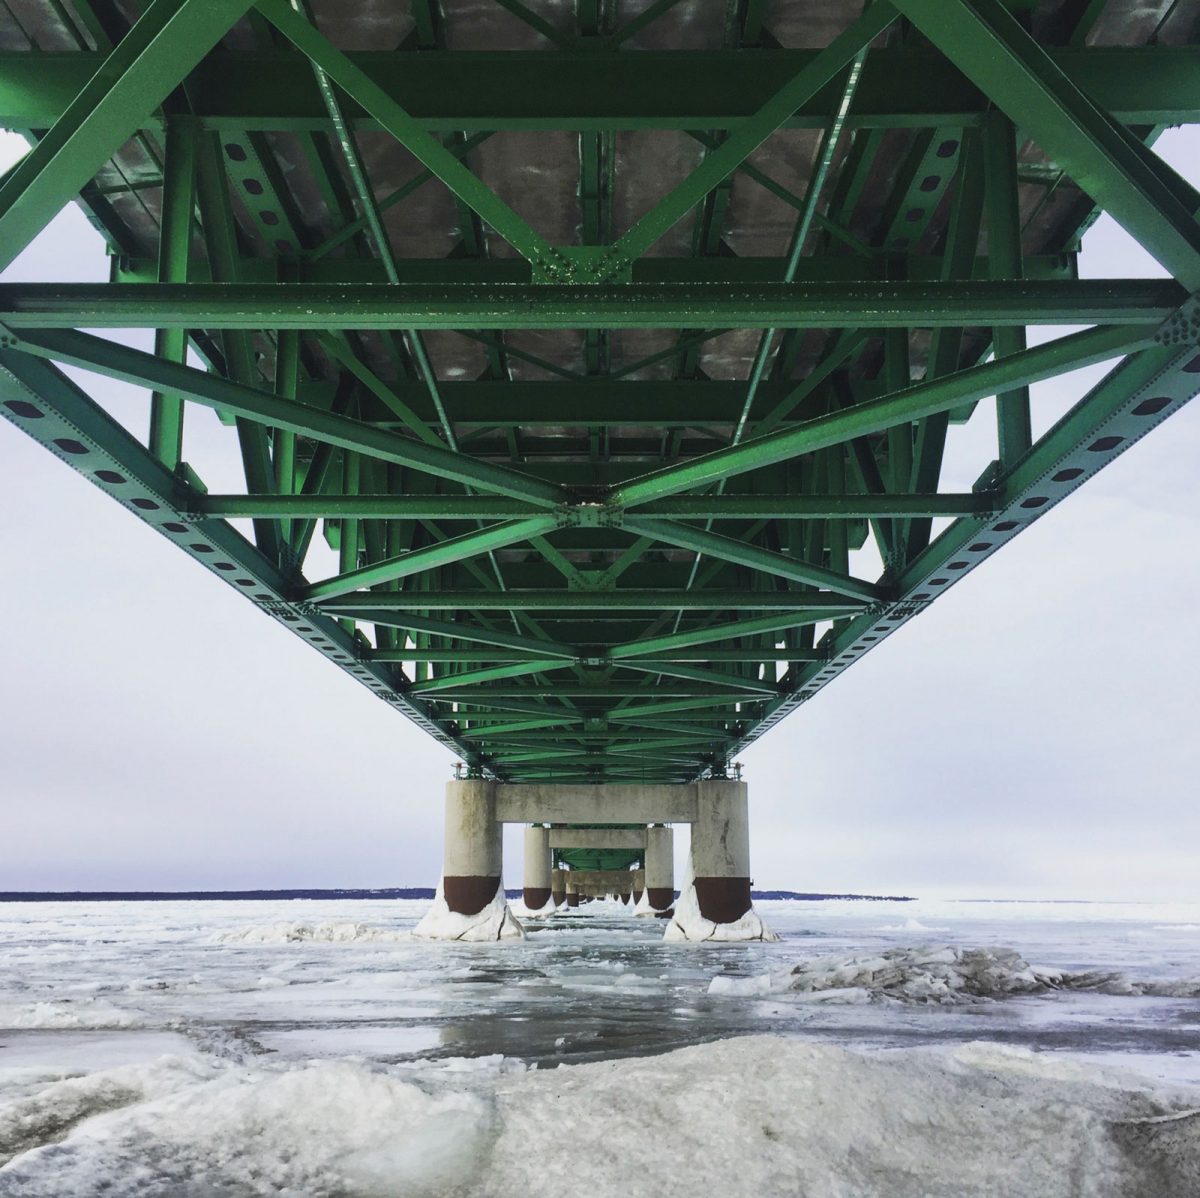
(597, 338)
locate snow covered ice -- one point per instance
(940, 973)
(319, 1048)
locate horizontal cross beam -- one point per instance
(901, 87)
(685, 507)
(902, 304)
(729, 272)
(367, 607)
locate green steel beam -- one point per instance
(914, 403)
(345, 355)
(430, 557)
(472, 633)
(646, 695)
(683, 507)
(490, 272)
(903, 86)
(945, 348)
(1003, 205)
(134, 366)
(502, 730)
(622, 306)
(600, 690)
(415, 138)
(656, 708)
(717, 678)
(743, 140)
(988, 44)
(174, 245)
(464, 656)
(748, 656)
(368, 507)
(731, 630)
(475, 655)
(367, 606)
(474, 677)
(830, 139)
(164, 45)
(742, 553)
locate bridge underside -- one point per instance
(590, 367)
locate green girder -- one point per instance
(596, 495)
(876, 305)
(902, 87)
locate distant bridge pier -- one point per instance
(538, 877)
(660, 867)
(558, 886)
(635, 822)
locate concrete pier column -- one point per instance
(721, 850)
(558, 886)
(660, 867)
(474, 848)
(470, 904)
(638, 877)
(572, 893)
(537, 867)
(716, 905)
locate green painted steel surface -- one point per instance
(596, 360)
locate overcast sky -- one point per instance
(1032, 735)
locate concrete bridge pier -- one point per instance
(660, 867)
(721, 850)
(637, 884)
(715, 900)
(714, 903)
(558, 886)
(470, 904)
(538, 883)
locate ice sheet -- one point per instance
(253, 1015)
(750, 1116)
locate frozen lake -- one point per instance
(120, 1021)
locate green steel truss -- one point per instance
(605, 448)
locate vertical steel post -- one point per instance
(1013, 428)
(283, 453)
(174, 244)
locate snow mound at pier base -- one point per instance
(688, 924)
(494, 922)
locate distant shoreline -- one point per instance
(405, 892)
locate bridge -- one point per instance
(591, 366)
